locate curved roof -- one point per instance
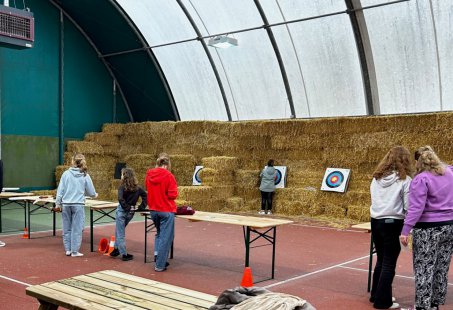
(294, 59)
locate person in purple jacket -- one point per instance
(430, 216)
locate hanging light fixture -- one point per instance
(222, 41)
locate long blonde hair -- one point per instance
(397, 159)
(427, 160)
(78, 160)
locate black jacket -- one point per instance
(128, 199)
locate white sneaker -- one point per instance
(395, 305)
(78, 254)
(261, 212)
(68, 253)
(269, 212)
(393, 299)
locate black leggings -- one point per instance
(266, 198)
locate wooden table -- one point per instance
(367, 227)
(4, 201)
(111, 289)
(34, 204)
(250, 224)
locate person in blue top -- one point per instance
(75, 184)
(267, 187)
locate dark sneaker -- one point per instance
(127, 257)
(114, 253)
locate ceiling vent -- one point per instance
(17, 27)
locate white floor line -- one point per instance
(16, 281)
(366, 270)
(315, 272)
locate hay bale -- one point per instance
(182, 166)
(195, 193)
(140, 162)
(222, 192)
(336, 212)
(358, 212)
(221, 163)
(59, 171)
(247, 178)
(83, 147)
(113, 129)
(234, 204)
(213, 177)
(103, 139)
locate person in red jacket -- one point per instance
(162, 192)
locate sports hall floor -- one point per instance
(326, 266)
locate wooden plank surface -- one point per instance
(363, 226)
(252, 221)
(108, 205)
(12, 194)
(111, 289)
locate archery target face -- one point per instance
(280, 181)
(335, 180)
(196, 180)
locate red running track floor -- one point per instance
(328, 267)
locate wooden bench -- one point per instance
(111, 289)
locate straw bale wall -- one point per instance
(233, 154)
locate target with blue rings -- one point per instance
(335, 180)
(278, 178)
(196, 180)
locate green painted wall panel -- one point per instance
(29, 161)
(29, 86)
(88, 95)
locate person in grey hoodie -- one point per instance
(75, 184)
(389, 197)
(267, 187)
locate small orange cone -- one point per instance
(247, 279)
(103, 245)
(111, 245)
(25, 235)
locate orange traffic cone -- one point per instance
(111, 245)
(103, 245)
(25, 235)
(247, 279)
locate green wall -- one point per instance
(30, 98)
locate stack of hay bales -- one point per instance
(233, 154)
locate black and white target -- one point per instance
(196, 180)
(335, 180)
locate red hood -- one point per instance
(157, 175)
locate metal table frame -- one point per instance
(269, 235)
(93, 220)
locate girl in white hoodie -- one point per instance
(389, 197)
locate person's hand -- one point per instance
(404, 240)
(57, 208)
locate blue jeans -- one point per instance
(165, 227)
(122, 218)
(73, 220)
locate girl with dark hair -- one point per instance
(430, 217)
(75, 184)
(267, 187)
(128, 194)
(389, 193)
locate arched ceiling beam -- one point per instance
(98, 53)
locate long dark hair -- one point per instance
(129, 180)
(396, 160)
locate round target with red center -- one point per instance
(334, 179)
